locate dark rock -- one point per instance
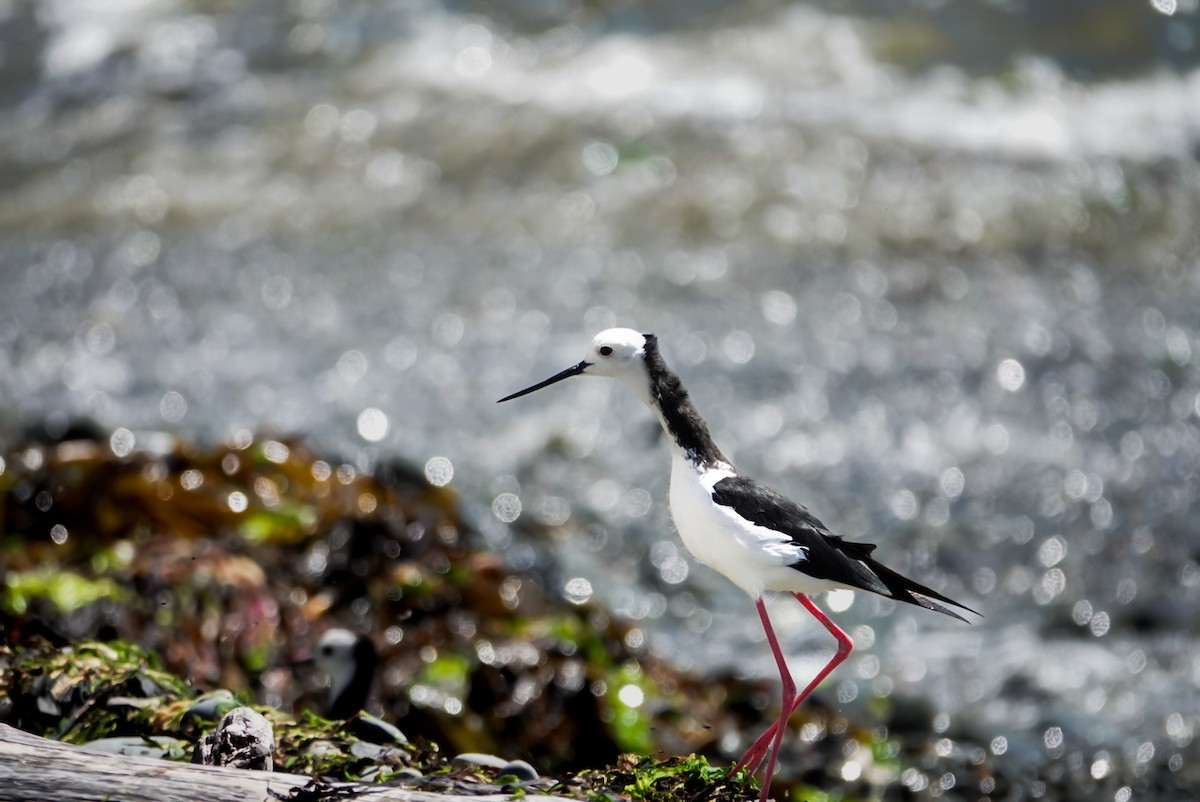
(375, 730)
(520, 769)
(209, 707)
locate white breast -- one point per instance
(754, 558)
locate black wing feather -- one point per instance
(828, 556)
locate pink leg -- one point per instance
(789, 696)
(755, 754)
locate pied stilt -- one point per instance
(350, 660)
(755, 536)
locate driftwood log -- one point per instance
(37, 768)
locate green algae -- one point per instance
(67, 590)
(628, 694)
(91, 690)
(687, 777)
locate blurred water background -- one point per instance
(930, 267)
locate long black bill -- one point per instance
(574, 370)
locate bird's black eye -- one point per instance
(606, 350)
(327, 650)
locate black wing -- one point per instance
(827, 555)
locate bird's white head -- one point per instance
(336, 654)
(619, 353)
(616, 353)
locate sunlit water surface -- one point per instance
(926, 281)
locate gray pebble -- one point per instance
(479, 759)
(156, 747)
(367, 750)
(322, 747)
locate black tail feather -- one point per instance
(906, 590)
(898, 586)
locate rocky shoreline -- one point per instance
(143, 574)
